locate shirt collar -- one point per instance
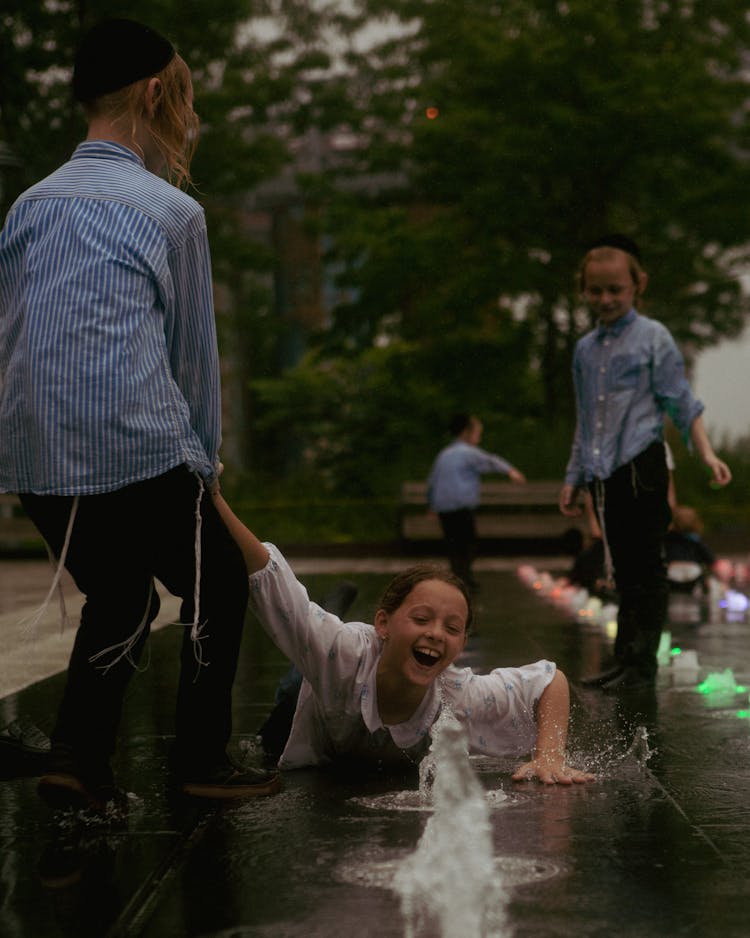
(617, 327)
(411, 731)
(106, 149)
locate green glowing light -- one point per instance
(720, 684)
(743, 714)
(676, 651)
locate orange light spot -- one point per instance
(431, 113)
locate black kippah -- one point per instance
(620, 241)
(115, 53)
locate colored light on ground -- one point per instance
(720, 684)
(734, 601)
(676, 651)
(707, 689)
(431, 113)
(743, 714)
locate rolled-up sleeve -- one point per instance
(317, 642)
(499, 708)
(670, 383)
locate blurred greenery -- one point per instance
(725, 512)
(488, 144)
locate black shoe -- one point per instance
(66, 791)
(69, 784)
(630, 678)
(598, 680)
(339, 599)
(232, 782)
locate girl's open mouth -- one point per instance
(427, 657)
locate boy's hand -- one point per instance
(569, 501)
(214, 487)
(720, 473)
(551, 770)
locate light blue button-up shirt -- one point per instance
(627, 376)
(109, 370)
(456, 476)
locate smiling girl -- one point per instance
(371, 693)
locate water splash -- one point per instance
(640, 751)
(450, 885)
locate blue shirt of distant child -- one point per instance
(455, 479)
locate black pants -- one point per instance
(120, 541)
(460, 535)
(635, 522)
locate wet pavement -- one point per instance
(659, 845)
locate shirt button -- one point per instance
(602, 369)
(596, 452)
(601, 397)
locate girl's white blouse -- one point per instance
(337, 710)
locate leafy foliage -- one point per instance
(556, 122)
(483, 145)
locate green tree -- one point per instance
(550, 124)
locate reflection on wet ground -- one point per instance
(658, 846)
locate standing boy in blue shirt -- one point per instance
(453, 490)
(110, 414)
(628, 372)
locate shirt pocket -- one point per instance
(624, 372)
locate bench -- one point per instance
(507, 511)
(17, 532)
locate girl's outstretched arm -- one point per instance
(255, 554)
(548, 763)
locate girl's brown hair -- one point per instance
(403, 583)
(174, 127)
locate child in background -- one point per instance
(689, 559)
(372, 692)
(454, 490)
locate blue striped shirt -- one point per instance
(109, 370)
(627, 376)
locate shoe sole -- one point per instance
(221, 792)
(63, 792)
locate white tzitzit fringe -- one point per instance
(125, 647)
(197, 626)
(31, 622)
(609, 571)
(129, 643)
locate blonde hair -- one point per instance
(606, 254)
(174, 126)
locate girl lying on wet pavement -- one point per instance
(372, 692)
